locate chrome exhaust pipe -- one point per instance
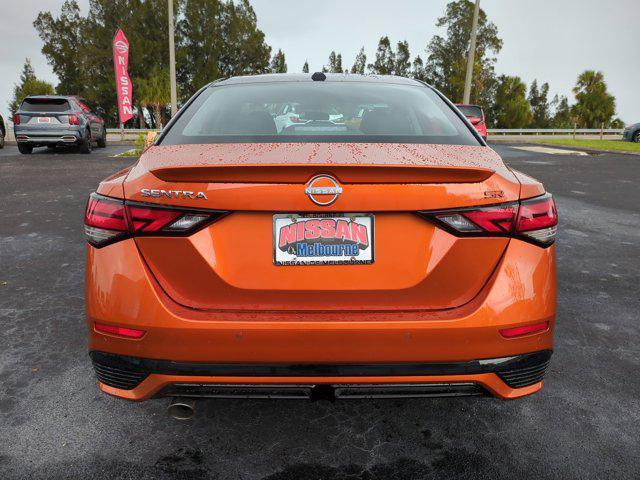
(182, 408)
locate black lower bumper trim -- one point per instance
(321, 391)
(516, 371)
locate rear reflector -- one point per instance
(533, 220)
(119, 331)
(524, 330)
(16, 119)
(108, 220)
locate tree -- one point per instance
(214, 39)
(511, 108)
(418, 71)
(539, 105)
(594, 105)
(305, 67)
(562, 118)
(219, 39)
(402, 65)
(617, 123)
(154, 92)
(278, 63)
(64, 46)
(335, 63)
(447, 61)
(385, 58)
(360, 63)
(29, 85)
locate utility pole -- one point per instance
(472, 53)
(172, 62)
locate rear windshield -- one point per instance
(319, 112)
(45, 105)
(470, 111)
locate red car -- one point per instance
(475, 115)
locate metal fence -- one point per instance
(136, 131)
(555, 131)
(130, 134)
(492, 131)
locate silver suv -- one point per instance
(53, 120)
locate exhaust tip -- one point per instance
(182, 408)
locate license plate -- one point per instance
(44, 120)
(323, 239)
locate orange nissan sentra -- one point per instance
(369, 245)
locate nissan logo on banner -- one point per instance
(123, 82)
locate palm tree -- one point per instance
(154, 92)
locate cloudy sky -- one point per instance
(551, 40)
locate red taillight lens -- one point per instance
(537, 219)
(494, 220)
(150, 219)
(534, 220)
(498, 219)
(119, 331)
(105, 220)
(73, 120)
(109, 219)
(524, 330)
(16, 119)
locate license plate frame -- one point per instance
(44, 120)
(339, 255)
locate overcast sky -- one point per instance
(551, 40)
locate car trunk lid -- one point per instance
(229, 265)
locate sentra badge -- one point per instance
(178, 194)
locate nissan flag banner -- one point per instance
(123, 82)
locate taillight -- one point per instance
(73, 120)
(16, 119)
(108, 220)
(534, 220)
(105, 220)
(538, 219)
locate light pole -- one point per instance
(172, 62)
(471, 58)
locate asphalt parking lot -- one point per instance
(54, 423)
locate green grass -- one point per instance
(134, 152)
(614, 145)
(137, 151)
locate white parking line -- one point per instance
(551, 151)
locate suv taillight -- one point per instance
(534, 220)
(16, 119)
(108, 220)
(73, 120)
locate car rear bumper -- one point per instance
(137, 378)
(48, 137)
(340, 348)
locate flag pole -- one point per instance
(172, 61)
(472, 53)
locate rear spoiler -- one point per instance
(302, 173)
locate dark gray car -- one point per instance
(632, 133)
(55, 120)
